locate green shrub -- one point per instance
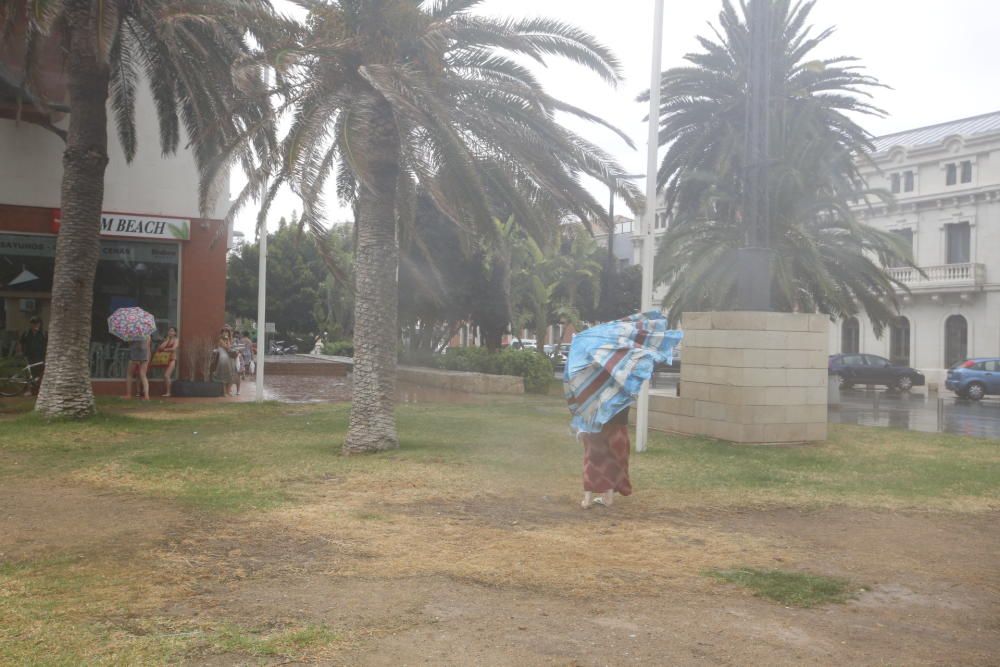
(535, 368)
(339, 348)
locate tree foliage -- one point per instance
(824, 259)
(303, 297)
(397, 96)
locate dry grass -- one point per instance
(483, 494)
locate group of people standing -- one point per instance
(232, 359)
(140, 359)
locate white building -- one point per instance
(622, 240)
(946, 181)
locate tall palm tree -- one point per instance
(395, 93)
(824, 258)
(188, 52)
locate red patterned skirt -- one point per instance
(605, 457)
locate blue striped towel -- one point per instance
(608, 363)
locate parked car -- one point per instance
(525, 344)
(870, 369)
(974, 378)
(282, 347)
(558, 354)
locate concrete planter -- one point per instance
(750, 377)
(459, 381)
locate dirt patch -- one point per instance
(46, 518)
(879, 544)
(499, 581)
(404, 579)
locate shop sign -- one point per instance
(111, 250)
(123, 251)
(137, 226)
(27, 246)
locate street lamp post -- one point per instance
(649, 215)
(261, 312)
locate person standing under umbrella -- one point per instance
(606, 367)
(134, 326)
(138, 363)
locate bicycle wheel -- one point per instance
(14, 384)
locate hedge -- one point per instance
(535, 368)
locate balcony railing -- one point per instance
(941, 276)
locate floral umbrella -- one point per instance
(131, 324)
(608, 363)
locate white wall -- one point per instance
(31, 169)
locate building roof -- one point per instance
(932, 134)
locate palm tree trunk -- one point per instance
(373, 423)
(66, 389)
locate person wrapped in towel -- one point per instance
(606, 367)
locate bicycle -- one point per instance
(21, 381)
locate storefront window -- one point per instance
(129, 273)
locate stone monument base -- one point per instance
(749, 377)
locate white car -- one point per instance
(524, 344)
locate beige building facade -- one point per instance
(946, 183)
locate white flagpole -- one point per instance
(261, 311)
(649, 217)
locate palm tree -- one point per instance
(186, 52)
(549, 282)
(824, 259)
(392, 94)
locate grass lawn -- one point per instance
(473, 493)
(240, 457)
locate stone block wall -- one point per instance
(750, 377)
(461, 381)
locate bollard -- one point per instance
(940, 415)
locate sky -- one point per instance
(939, 58)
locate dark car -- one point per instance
(974, 378)
(869, 369)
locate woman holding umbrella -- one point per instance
(138, 363)
(134, 325)
(606, 367)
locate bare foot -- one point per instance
(166, 395)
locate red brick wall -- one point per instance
(203, 286)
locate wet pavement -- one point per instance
(910, 411)
(915, 412)
(320, 389)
